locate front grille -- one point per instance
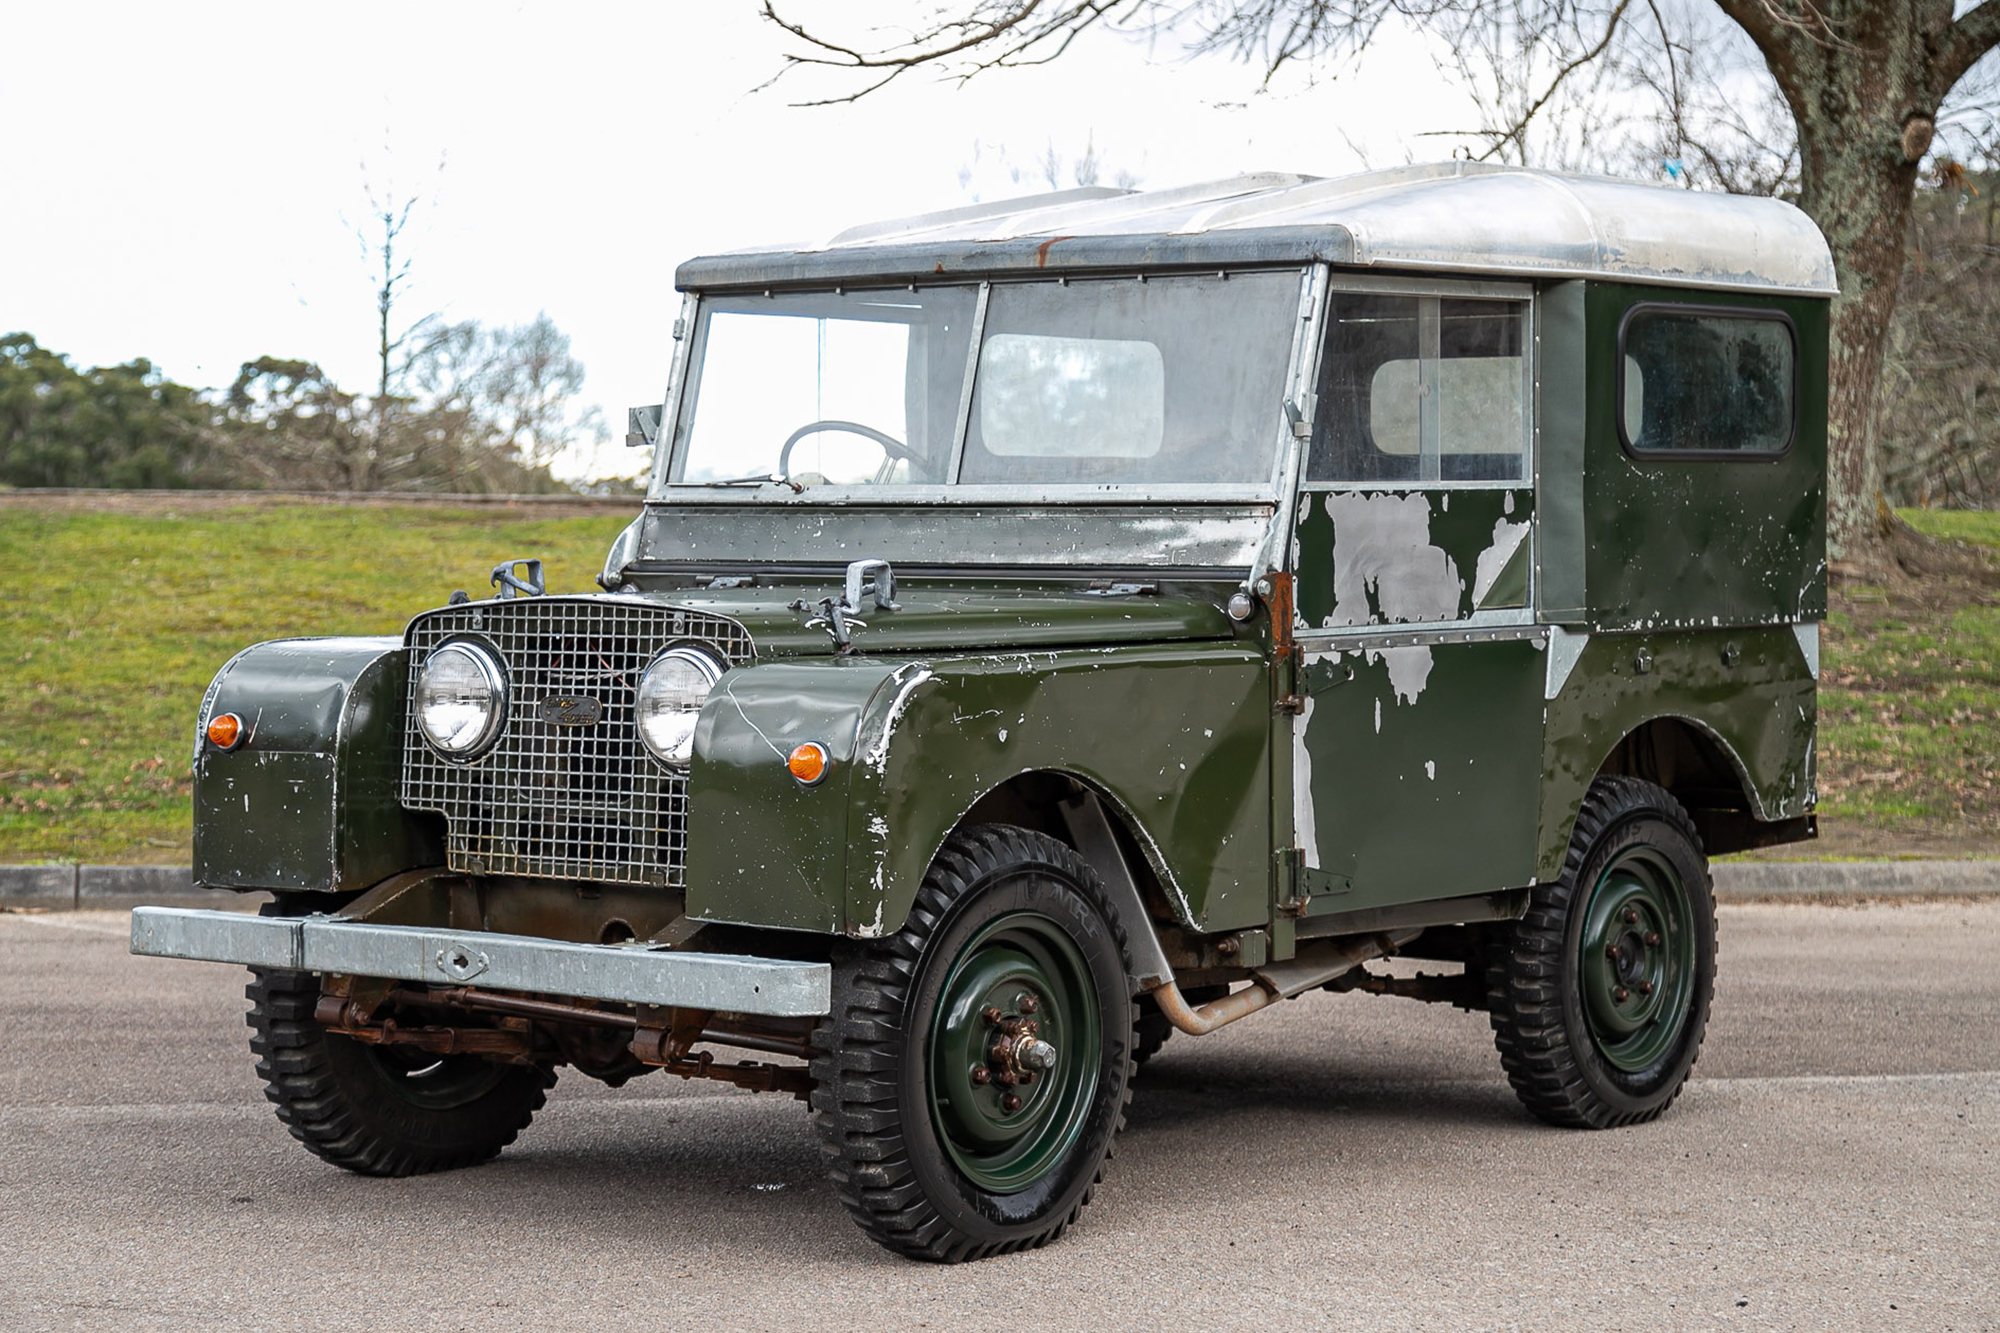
(562, 802)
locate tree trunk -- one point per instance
(1862, 201)
(1864, 92)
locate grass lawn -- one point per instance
(1910, 713)
(103, 665)
(116, 621)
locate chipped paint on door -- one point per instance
(1393, 557)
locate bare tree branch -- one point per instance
(1520, 124)
(1976, 32)
(1017, 33)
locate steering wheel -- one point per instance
(891, 446)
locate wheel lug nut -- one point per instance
(1008, 1078)
(1631, 916)
(1010, 1103)
(1029, 1004)
(1645, 988)
(990, 1014)
(981, 1074)
(1621, 995)
(1652, 937)
(1611, 951)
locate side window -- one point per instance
(1422, 389)
(1699, 381)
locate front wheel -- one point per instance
(978, 1062)
(381, 1110)
(1600, 994)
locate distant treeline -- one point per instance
(470, 409)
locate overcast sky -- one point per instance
(180, 182)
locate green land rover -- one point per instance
(1056, 624)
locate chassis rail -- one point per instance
(632, 974)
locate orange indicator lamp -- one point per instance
(224, 730)
(809, 763)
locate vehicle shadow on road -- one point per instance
(1192, 1093)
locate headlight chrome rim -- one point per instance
(674, 747)
(493, 671)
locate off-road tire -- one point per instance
(871, 1102)
(337, 1097)
(1535, 983)
(1152, 1032)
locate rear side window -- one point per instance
(1707, 382)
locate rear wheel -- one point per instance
(1600, 994)
(978, 1062)
(381, 1110)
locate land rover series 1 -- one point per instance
(1058, 624)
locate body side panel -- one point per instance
(1728, 540)
(1762, 710)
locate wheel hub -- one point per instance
(1637, 959)
(1012, 1063)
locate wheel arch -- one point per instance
(1699, 768)
(1033, 799)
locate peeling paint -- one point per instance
(1409, 671)
(1305, 823)
(1384, 562)
(908, 678)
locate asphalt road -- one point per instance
(1348, 1160)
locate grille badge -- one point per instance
(570, 710)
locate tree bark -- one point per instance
(1863, 86)
(1862, 198)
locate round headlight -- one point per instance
(671, 694)
(461, 700)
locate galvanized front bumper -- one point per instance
(634, 974)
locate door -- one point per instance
(1417, 743)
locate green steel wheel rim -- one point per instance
(1019, 980)
(1636, 959)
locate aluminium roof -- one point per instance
(1457, 217)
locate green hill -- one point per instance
(118, 610)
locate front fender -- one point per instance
(307, 800)
(1177, 737)
(762, 849)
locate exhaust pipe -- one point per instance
(1277, 981)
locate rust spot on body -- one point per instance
(1042, 250)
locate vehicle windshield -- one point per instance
(1127, 381)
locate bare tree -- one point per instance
(388, 251)
(1863, 82)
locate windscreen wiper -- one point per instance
(764, 479)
